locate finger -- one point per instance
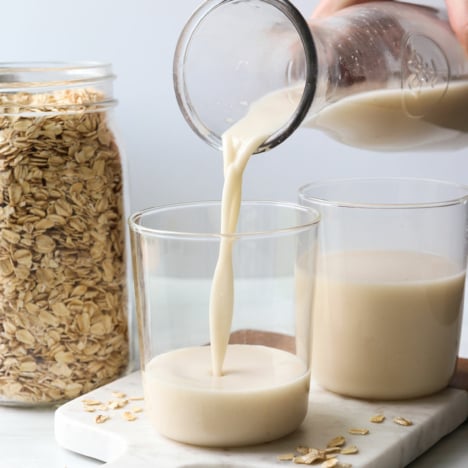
(458, 15)
(328, 7)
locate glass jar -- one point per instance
(385, 76)
(63, 266)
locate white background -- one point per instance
(167, 161)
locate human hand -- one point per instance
(457, 11)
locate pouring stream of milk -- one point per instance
(265, 117)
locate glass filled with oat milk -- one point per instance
(385, 76)
(389, 286)
(225, 319)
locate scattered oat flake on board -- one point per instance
(129, 416)
(118, 395)
(117, 404)
(402, 421)
(298, 460)
(302, 449)
(137, 409)
(91, 402)
(301, 460)
(285, 457)
(330, 463)
(330, 450)
(358, 431)
(377, 418)
(101, 418)
(314, 455)
(135, 398)
(309, 458)
(336, 442)
(349, 450)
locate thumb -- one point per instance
(328, 7)
(458, 15)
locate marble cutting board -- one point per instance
(124, 444)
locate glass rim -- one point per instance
(136, 227)
(183, 96)
(342, 203)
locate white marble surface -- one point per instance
(27, 441)
(124, 444)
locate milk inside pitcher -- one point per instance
(385, 76)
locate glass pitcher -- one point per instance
(386, 76)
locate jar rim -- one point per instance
(40, 74)
(92, 79)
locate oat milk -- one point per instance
(397, 120)
(386, 324)
(261, 396)
(239, 143)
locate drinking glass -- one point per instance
(390, 285)
(263, 392)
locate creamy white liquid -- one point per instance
(262, 395)
(386, 324)
(393, 120)
(222, 395)
(239, 143)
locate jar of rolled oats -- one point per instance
(63, 268)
